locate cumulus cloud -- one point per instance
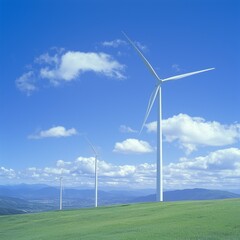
(62, 163)
(61, 66)
(219, 160)
(7, 173)
(55, 171)
(126, 129)
(54, 132)
(72, 64)
(192, 132)
(80, 172)
(46, 58)
(220, 168)
(133, 145)
(152, 126)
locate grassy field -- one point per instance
(198, 220)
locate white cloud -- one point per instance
(26, 83)
(118, 42)
(126, 129)
(133, 145)
(115, 43)
(62, 163)
(141, 46)
(7, 173)
(192, 132)
(84, 165)
(218, 160)
(80, 172)
(110, 174)
(219, 169)
(152, 126)
(55, 171)
(46, 58)
(55, 132)
(62, 66)
(72, 64)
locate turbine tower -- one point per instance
(96, 171)
(60, 201)
(157, 94)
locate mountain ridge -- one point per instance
(189, 195)
(35, 198)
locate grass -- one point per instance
(198, 220)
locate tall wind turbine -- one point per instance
(157, 93)
(96, 171)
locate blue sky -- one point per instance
(67, 70)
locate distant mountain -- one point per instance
(24, 186)
(34, 198)
(47, 193)
(24, 191)
(189, 195)
(10, 205)
(47, 198)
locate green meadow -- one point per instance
(196, 220)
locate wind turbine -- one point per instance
(61, 190)
(157, 93)
(96, 171)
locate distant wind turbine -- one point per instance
(157, 92)
(61, 190)
(96, 171)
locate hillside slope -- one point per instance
(198, 220)
(12, 205)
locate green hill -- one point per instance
(198, 220)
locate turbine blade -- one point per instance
(90, 144)
(143, 58)
(150, 104)
(186, 75)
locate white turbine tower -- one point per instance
(96, 171)
(157, 93)
(60, 197)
